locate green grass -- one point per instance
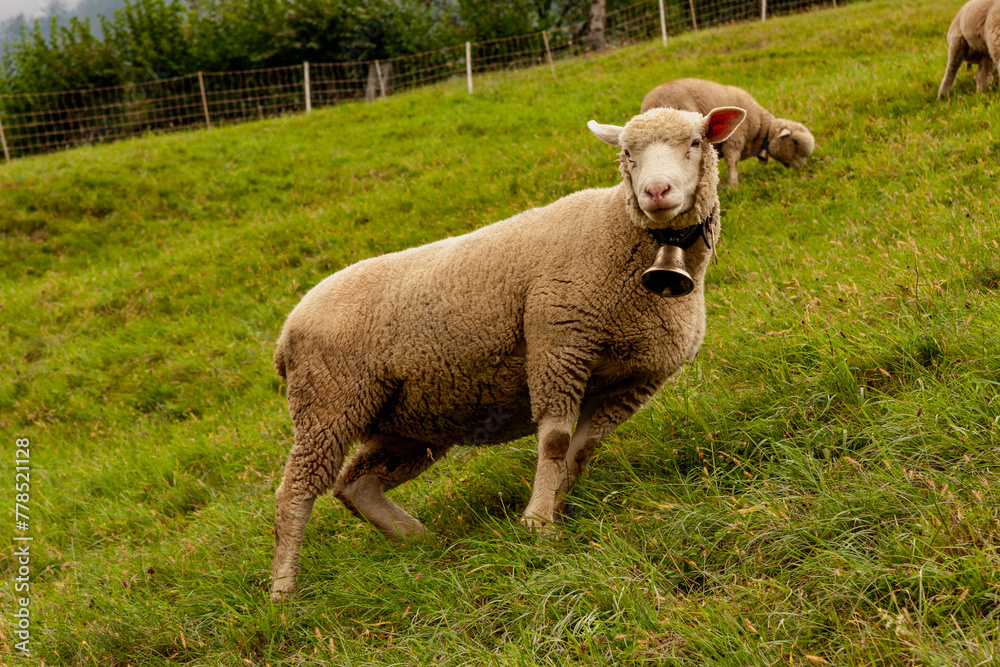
(822, 484)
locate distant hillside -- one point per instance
(10, 30)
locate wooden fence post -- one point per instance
(763, 10)
(663, 24)
(305, 69)
(204, 100)
(3, 139)
(598, 23)
(694, 19)
(468, 64)
(381, 81)
(548, 54)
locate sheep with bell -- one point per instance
(562, 320)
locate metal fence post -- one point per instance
(663, 24)
(468, 64)
(548, 54)
(204, 100)
(3, 139)
(305, 70)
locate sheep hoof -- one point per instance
(281, 591)
(415, 536)
(540, 526)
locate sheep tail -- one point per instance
(279, 358)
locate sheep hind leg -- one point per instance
(292, 513)
(984, 75)
(383, 464)
(958, 48)
(309, 471)
(326, 424)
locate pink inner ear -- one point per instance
(721, 123)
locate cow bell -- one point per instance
(668, 275)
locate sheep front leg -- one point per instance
(551, 483)
(557, 380)
(731, 156)
(562, 458)
(958, 48)
(600, 416)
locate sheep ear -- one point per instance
(785, 133)
(607, 133)
(722, 122)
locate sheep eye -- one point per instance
(627, 154)
(696, 143)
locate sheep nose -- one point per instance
(658, 193)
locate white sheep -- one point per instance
(534, 323)
(762, 135)
(973, 37)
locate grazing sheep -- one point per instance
(536, 323)
(973, 37)
(761, 134)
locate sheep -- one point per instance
(973, 37)
(529, 325)
(761, 135)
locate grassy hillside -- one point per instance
(821, 487)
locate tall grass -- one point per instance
(819, 487)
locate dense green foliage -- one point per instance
(156, 39)
(822, 486)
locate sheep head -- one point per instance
(668, 164)
(789, 143)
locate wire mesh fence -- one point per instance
(253, 94)
(44, 122)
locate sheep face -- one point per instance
(664, 157)
(793, 145)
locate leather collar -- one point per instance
(686, 237)
(763, 154)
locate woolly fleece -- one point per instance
(535, 322)
(973, 37)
